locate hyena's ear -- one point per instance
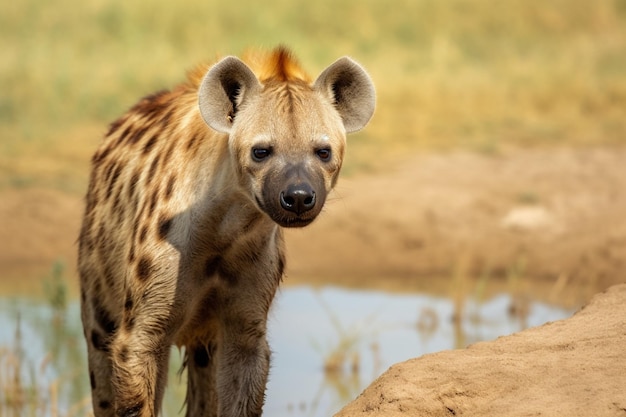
(351, 90)
(224, 88)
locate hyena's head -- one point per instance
(286, 135)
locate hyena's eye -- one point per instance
(259, 154)
(324, 154)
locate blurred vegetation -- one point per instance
(55, 290)
(474, 74)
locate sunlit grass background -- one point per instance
(474, 74)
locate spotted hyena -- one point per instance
(181, 241)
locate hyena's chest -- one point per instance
(251, 265)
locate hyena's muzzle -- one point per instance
(294, 195)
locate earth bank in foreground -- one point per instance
(572, 367)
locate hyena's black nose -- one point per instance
(298, 198)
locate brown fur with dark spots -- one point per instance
(181, 241)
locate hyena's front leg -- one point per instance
(102, 395)
(243, 358)
(201, 363)
(99, 339)
(140, 364)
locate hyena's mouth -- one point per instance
(294, 222)
(289, 217)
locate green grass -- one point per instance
(474, 74)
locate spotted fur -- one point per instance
(181, 240)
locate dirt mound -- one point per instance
(573, 367)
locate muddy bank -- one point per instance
(549, 220)
(573, 367)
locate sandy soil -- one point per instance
(572, 367)
(546, 221)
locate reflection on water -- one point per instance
(327, 344)
(42, 359)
